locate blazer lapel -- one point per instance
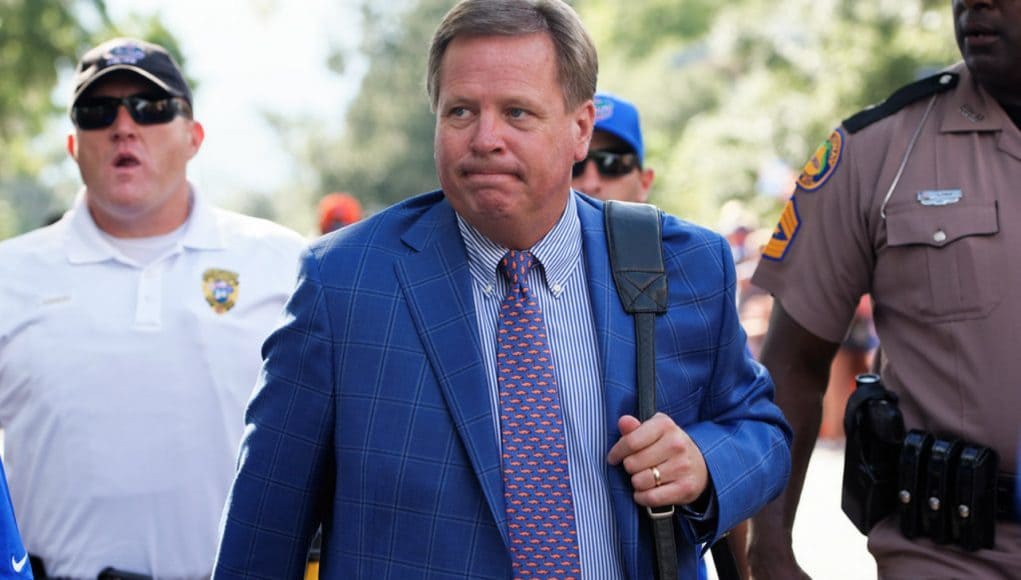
(615, 331)
(437, 284)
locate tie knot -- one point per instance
(515, 265)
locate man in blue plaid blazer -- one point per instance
(376, 413)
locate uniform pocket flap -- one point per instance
(940, 225)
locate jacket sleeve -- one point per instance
(285, 468)
(741, 432)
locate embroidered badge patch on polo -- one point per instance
(822, 165)
(220, 288)
(784, 233)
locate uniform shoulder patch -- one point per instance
(901, 98)
(784, 233)
(823, 163)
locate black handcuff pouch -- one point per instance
(939, 492)
(973, 519)
(913, 459)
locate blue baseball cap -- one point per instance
(620, 119)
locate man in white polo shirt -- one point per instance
(130, 335)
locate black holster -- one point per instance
(875, 432)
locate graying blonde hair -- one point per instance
(577, 63)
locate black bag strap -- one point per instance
(634, 233)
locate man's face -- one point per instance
(989, 36)
(632, 186)
(134, 174)
(504, 142)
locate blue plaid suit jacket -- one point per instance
(372, 414)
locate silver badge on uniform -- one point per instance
(939, 196)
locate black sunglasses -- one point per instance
(100, 112)
(608, 164)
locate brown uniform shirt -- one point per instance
(944, 272)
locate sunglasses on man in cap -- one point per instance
(608, 164)
(100, 112)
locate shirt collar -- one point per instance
(85, 243)
(558, 251)
(204, 231)
(971, 107)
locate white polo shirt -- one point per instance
(123, 387)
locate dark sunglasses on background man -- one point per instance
(608, 164)
(100, 112)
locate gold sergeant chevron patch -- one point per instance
(784, 233)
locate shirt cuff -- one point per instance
(702, 514)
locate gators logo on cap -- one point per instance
(822, 165)
(604, 108)
(220, 288)
(784, 233)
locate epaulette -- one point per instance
(903, 97)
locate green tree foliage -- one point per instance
(37, 38)
(40, 40)
(386, 152)
(730, 93)
(754, 91)
(636, 29)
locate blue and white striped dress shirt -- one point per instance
(561, 289)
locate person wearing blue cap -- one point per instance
(616, 154)
(10, 538)
(616, 171)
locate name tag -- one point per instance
(939, 196)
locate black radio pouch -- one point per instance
(875, 430)
(973, 520)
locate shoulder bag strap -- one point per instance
(635, 237)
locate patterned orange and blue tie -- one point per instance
(537, 486)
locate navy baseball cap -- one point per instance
(619, 118)
(150, 61)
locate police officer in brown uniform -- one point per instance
(918, 202)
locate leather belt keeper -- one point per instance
(1007, 492)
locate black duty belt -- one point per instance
(1007, 505)
(108, 573)
(944, 488)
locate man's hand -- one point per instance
(660, 447)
